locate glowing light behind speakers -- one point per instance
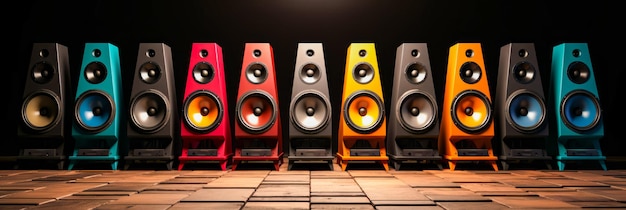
(413, 126)
(578, 124)
(152, 107)
(205, 123)
(310, 127)
(43, 127)
(98, 103)
(466, 124)
(522, 123)
(362, 124)
(258, 131)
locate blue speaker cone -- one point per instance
(94, 111)
(526, 110)
(580, 110)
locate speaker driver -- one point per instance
(311, 111)
(42, 72)
(416, 73)
(363, 73)
(580, 110)
(256, 73)
(471, 111)
(149, 72)
(310, 73)
(524, 72)
(470, 72)
(95, 72)
(149, 110)
(40, 110)
(256, 111)
(94, 111)
(364, 111)
(203, 111)
(416, 111)
(203, 72)
(527, 111)
(578, 72)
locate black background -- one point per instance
(336, 24)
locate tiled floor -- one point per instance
(362, 186)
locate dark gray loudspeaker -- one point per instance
(310, 113)
(43, 129)
(413, 125)
(521, 106)
(152, 109)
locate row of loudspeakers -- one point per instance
(415, 132)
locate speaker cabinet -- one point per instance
(152, 108)
(467, 126)
(522, 123)
(43, 127)
(96, 127)
(413, 127)
(362, 128)
(578, 125)
(205, 123)
(258, 132)
(310, 119)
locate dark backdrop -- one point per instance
(336, 24)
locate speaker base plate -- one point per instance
(276, 159)
(343, 160)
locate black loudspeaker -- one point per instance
(413, 126)
(522, 123)
(310, 113)
(43, 127)
(152, 108)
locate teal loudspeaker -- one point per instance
(98, 107)
(578, 125)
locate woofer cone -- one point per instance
(94, 111)
(203, 72)
(524, 72)
(578, 72)
(310, 73)
(149, 72)
(42, 72)
(364, 111)
(417, 111)
(471, 111)
(580, 110)
(95, 72)
(41, 110)
(256, 73)
(256, 111)
(526, 111)
(310, 111)
(416, 73)
(363, 73)
(203, 111)
(470, 72)
(149, 111)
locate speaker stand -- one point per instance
(310, 151)
(519, 150)
(253, 149)
(200, 150)
(362, 150)
(579, 150)
(414, 150)
(95, 150)
(48, 152)
(157, 151)
(481, 150)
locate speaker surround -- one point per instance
(98, 108)
(467, 126)
(522, 121)
(43, 128)
(362, 124)
(258, 131)
(152, 108)
(577, 125)
(205, 124)
(413, 125)
(310, 119)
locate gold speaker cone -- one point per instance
(203, 111)
(310, 111)
(364, 111)
(41, 110)
(471, 111)
(256, 111)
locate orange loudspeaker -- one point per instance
(413, 126)
(522, 123)
(362, 126)
(258, 132)
(152, 108)
(466, 124)
(205, 123)
(310, 124)
(43, 127)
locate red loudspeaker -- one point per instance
(258, 132)
(43, 127)
(466, 124)
(205, 126)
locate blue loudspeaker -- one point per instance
(98, 107)
(578, 125)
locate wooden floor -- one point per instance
(311, 186)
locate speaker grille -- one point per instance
(256, 111)
(417, 111)
(471, 111)
(203, 111)
(41, 110)
(94, 111)
(580, 110)
(149, 111)
(310, 111)
(526, 111)
(364, 111)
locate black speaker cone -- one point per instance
(417, 111)
(203, 72)
(149, 111)
(42, 72)
(95, 72)
(524, 72)
(578, 72)
(470, 72)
